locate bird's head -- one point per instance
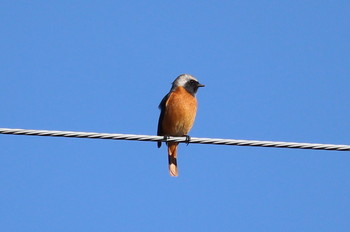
(188, 82)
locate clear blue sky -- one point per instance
(273, 70)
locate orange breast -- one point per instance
(180, 112)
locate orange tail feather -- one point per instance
(172, 155)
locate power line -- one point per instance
(234, 142)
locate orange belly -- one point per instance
(180, 112)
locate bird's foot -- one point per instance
(188, 139)
(166, 137)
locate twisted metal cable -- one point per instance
(234, 142)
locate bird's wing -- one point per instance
(162, 106)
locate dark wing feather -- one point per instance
(162, 111)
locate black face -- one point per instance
(192, 86)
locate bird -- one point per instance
(177, 114)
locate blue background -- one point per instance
(273, 70)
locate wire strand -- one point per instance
(233, 142)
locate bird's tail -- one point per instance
(172, 155)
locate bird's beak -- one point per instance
(201, 85)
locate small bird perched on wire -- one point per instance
(178, 111)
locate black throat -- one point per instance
(191, 87)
